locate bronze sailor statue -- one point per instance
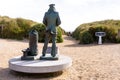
(51, 20)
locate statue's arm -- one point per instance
(44, 20)
(58, 21)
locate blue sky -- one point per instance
(72, 12)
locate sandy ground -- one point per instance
(90, 62)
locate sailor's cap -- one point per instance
(52, 5)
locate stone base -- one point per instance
(40, 66)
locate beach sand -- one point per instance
(90, 62)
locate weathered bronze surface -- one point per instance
(51, 20)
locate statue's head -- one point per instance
(51, 7)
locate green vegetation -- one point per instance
(40, 28)
(19, 28)
(87, 30)
(14, 28)
(41, 32)
(86, 38)
(60, 31)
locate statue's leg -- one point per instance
(53, 51)
(45, 44)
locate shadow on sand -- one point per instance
(75, 43)
(7, 74)
(13, 40)
(89, 45)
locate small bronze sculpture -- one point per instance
(33, 36)
(29, 53)
(51, 20)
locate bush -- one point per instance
(40, 28)
(86, 38)
(11, 30)
(76, 33)
(93, 30)
(24, 25)
(19, 29)
(59, 35)
(41, 33)
(117, 39)
(15, 28)
(110, 27)
(110, 33)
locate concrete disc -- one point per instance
(40, 66)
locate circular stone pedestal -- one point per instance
(40, 66)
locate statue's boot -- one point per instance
(43, 52)
(53, 53)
